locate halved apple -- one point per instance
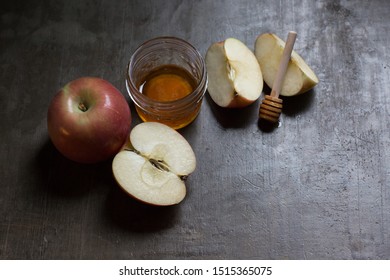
(299, 76)
(234, 75)
(154, 167)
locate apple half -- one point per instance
(234, 76)
(155, 166)
(299, 76)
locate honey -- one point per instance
(166, 84)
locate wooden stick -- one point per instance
(278, 82)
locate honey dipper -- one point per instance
(272, 105)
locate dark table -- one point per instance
(317, 187)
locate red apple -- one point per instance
(88, 120)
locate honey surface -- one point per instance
(167, 83)
(167, 87)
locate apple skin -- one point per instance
(88, 120)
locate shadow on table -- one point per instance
(233, 117)
(64, 179)
(242, 117)
(60, 176)
(292, 106)
(299, 104)
(130, 214)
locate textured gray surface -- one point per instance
(318, 187)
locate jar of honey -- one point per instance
(166, 80)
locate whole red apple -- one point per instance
(88, 120)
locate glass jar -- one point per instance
(160, 52)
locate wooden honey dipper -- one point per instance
(272, 105)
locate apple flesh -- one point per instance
(299, 76)
(234, 74)
(88, 120)
(154, 167)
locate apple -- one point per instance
(234, 74)
(299, 76)
(88, 120)
(154, 167)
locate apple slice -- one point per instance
(299, 76)
(234, 75)
(154, 167)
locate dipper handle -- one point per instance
(272, 105)
(278, 82)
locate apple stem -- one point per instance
(82, 107)
(278, 82)
(183, 177)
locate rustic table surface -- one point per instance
(317, 187)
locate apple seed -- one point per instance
(157, 163)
